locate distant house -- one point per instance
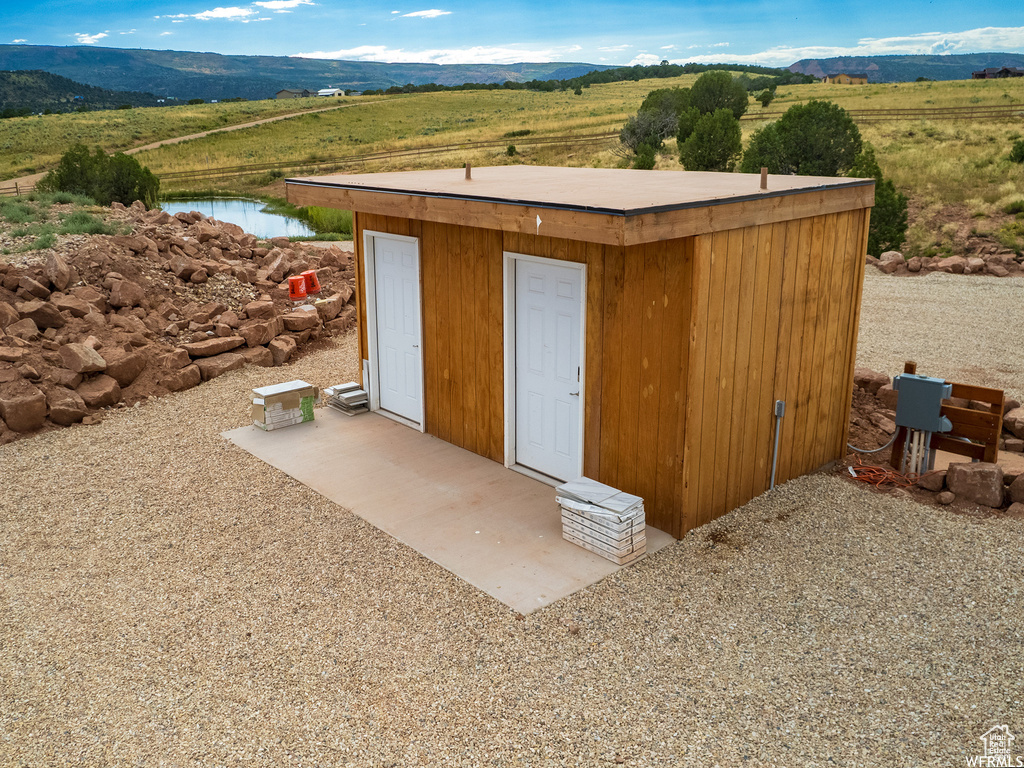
(291, 93)
(846, 79)
(330, 92)
(992, 72)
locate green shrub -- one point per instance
(818, 138)
(888, 228)
(714, 144)
(104, 179)
(84, 223)
(645, 158)
(17, 212)
(1014, 207)
(327, 219)
(1017, 152)
(716, 90)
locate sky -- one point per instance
(611, 32)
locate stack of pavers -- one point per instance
(348, 398)
(282, 405)
(603, 520)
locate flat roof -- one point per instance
(615, 191)
(608, 205)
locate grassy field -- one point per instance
(955, 171)
(31, 144)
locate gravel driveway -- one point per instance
(167, 599)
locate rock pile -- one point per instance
(873, 422)
(182, 299)
(993, 261)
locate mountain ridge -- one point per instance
(905, 68)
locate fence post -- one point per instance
(16, 192)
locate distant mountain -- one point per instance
(37, 91)
(185, 75)
(902, 69)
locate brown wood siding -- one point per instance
(688, 344)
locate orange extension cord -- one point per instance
(880, 476)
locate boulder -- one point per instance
(199, 276)
(71, 304)
(954, 264)
(979, 482)
(43, 313)
(183, 378)
(946, 497)
(883, 423)
(205, 231)
(81, 358)
(257, 356)
(25, 328)
(301, 320)
(22, 406)
(1015, 491)
(872, 381)
(125, 293)
(100, 391)
(997, 270)
(1015, 510)
(974, 266)
(888, 267)
(33, 288)
(65, 406)
(65, 378)
(1013, 420)
(125, 367)
(230, 319)
(11, 355)
(933, 481)
(914, 264)
(258, 333)
(344, 321)
(91, 296)
(213, 346)
(888, 396)
(259, 310)
(282, 348)
(212, 367)
(8, 315)
(330, 307)
(175, 359)
(891, 256)
(57, 271)
(1013, 445)
(182, 267)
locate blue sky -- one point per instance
(483, 31)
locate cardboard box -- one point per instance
(283, 405)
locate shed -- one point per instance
(636, 327)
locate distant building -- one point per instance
(992, 72)
(844, 79)
(291, 93)
(330, 92)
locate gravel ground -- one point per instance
(168, 600)
(964, 329)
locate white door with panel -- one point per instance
(396, 275)
(548, 400)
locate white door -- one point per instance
(548, 401)
(396, 275)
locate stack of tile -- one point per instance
(603, 520)
(282, 405)
(348, 398)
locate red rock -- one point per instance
(980, 482)
(888, 396)
(345, 321)
(258, 310)
(206, 231)
(65, 378)
(43, 313)
(100, 391)
(182, 267)
(22, 406)
(259, 333)
(81, 358)
(24, 329)
(946, 497)
(1015, 510)
(71, 304)
(33, 288)
(65, 406)
(184, 378)
(125, 367)
(199, 276)
(914, 264)
(282, 348)
(933, 481)
(57, 271)
(872, 381)
(91, 296)
(207, 312)
(1015, 492)
(212, 346)
(9, 314)
(887, 267)
(175, 359)
(257, 356)
(230, 319)
(954, 264)
(300, 320)
(126, 294)
(1013, 445)
(330, 307)
(997, 270)
(11, 355)
(974, 266)
(1013, 420)
(212, 367)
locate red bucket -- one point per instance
(312, 283)
(297, 288)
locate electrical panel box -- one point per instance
(920, 402)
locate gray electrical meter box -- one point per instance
(920, 402)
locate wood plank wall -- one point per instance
(689, 343)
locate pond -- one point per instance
(248, 214)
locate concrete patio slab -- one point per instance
(495, 528)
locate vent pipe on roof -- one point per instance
(469, 172)
(764, 179)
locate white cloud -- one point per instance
(433, 13)
(967, 41)
(668, 47)
(574, 48)
(474, 55)
(164, 34)
(282, 6)
(20, 40)
(645, 58)
(232, 12)
(83, 39)
(719, 45)
(129, 32)
(614, 48)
